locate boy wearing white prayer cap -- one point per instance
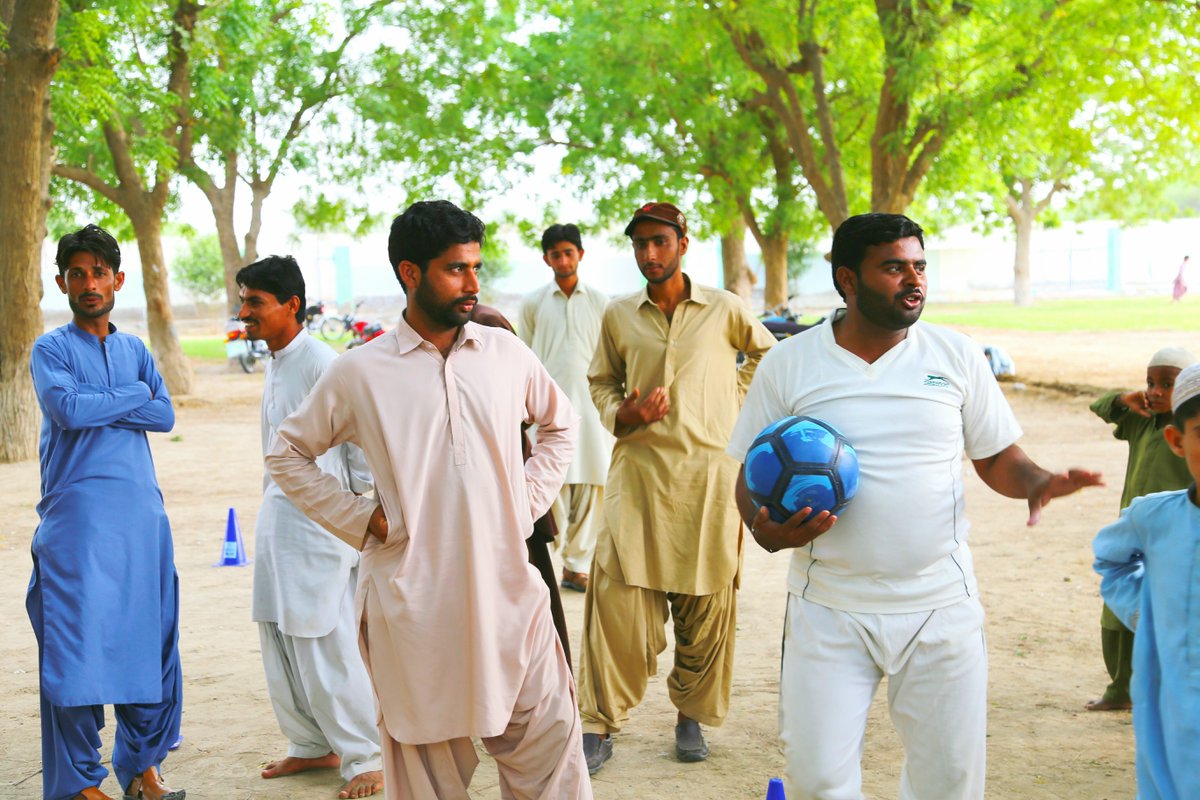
(1139, 418)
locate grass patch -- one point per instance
(212, 348)
(1099, 314)
(207, 348)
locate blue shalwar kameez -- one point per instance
(103, 598)
(1149, 563)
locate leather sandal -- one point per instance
(149, 786)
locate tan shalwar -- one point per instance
(670, 538)
(455, 625)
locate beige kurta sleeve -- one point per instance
(547, 406)
(751, 337)
(322, 421)
(606, 375)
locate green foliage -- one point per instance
(198, 268)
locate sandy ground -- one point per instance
(1040, 594)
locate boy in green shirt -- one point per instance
(1140, 417)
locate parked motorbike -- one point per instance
(314, 315)
(364, 332)
(247, 351)
(338, 325)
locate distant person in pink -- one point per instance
(1179, 288)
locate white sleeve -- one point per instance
(989, 424)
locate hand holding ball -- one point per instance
(801, 462)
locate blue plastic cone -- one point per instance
(233, 552)
(775, 790)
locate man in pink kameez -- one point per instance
(455, 624)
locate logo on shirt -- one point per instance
(936, 380)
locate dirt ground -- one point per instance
(1038, 587)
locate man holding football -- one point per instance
(887, 587)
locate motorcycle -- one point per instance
(364, 332)
(247, 351)
(314, 315)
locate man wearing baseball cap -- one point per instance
(666, 382)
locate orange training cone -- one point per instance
(233, 552)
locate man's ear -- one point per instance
(409, 274)
(847, 279)
(118, 280)
(62, 282)
(683, 245)
(1174, 438)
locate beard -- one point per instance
(669, 270)
(95, 312)
(878, 309)
(444, 314)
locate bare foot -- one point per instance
(291, 765)
(363, 784)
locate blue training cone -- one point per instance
(775, 790)
(233, 552)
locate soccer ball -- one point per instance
(801, 462)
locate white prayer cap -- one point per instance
(1187, 386)
(1176, 357)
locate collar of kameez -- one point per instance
(696, 293)
(293, 345)
(82, 334)
(410, 340)
(580, 288)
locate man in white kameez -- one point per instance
(561, 324)
(455, 624)
(304, 579)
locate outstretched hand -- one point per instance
(796, 531)
(1057, 485)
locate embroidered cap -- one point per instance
(659, 212)
(1187, 386)
(1177, 357)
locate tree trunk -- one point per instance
(231, 254)
(774, 253)
(25, 130)
(1022, 277)
(168, 355)
(738, 277)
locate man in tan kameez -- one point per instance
(455, 625)
(666, 382)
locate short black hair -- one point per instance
(88, 239)
(427, 229)
(277, 275)
(856, 234)
(1187, 409)
(568, 232)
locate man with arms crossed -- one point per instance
(304, 578)
(561, 324)
(666, 381)
(455, 624)
(104, 596)
(888, 590)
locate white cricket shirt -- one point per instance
(901, 544)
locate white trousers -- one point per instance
(322, 695)
(936, 666)
(577, 511)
